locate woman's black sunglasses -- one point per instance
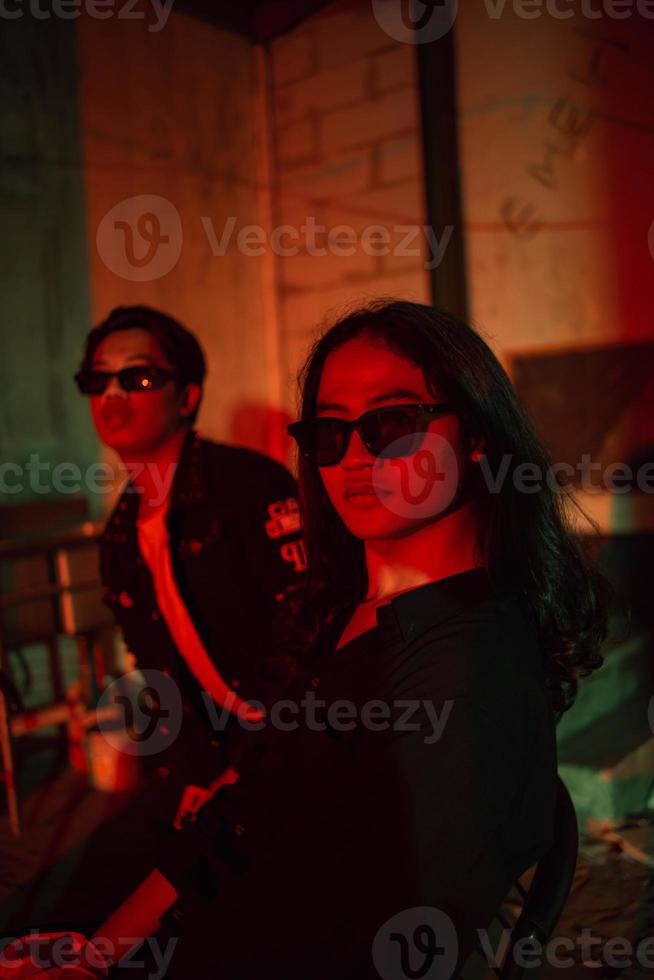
(323, 440)
(142, 377)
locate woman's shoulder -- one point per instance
(487, 648)
(467, 608)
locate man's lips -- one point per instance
(115, 414)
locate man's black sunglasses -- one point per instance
(323, 440)
(142, 377)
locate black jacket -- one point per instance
(236, 548)
(332, 832)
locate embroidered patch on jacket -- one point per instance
(295, 552)
(284, 518)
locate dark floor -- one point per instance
(41, 884)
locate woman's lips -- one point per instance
(364, 494)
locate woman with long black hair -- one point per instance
(523, 532)
(407, 774)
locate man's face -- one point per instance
(135, 423)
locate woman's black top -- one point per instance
(430, 784)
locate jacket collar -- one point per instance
(415, 611)
(191, 481)
(190, 484)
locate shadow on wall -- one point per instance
(260, 427)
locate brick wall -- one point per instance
(175, 114)
(318, 132)
(556, 149)
(346, 152)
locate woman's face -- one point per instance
(387, 496)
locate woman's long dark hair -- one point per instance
(526, 538)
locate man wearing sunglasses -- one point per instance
(202, 543)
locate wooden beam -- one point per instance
(438, 108)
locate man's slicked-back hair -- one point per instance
(180, 347)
